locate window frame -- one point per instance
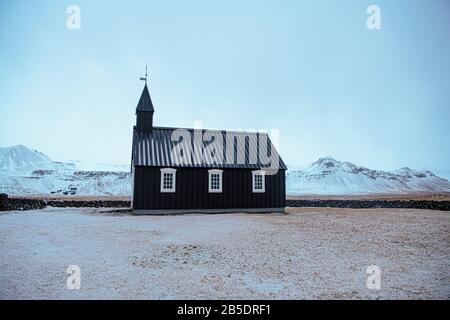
(259, 173)
(174, 180)
(210, 174)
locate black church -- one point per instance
(190, 170)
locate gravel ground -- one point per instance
(311, 253)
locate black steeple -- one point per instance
(144, 110)
(145, 102)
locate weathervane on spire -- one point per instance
(145, 78)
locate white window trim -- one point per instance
(174, 173)
(263, 174)
(210, 173)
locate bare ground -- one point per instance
(310, 253)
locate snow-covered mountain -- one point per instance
(27, 171)
(22, 159)
(332, 177)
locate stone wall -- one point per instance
(90, 204)
(31, 204)
(7, 204)
(364, 204)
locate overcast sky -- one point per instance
(312, 69)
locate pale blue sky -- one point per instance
(309, 68)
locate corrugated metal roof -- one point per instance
(181, 147)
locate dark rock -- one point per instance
(3, 201)
(365, 204)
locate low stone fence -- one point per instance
(365, 204)
(7, 204)
(90, 203)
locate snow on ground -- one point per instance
(311, 253)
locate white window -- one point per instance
(215, 181)
(168, 179)
(259, 181)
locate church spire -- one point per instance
(144, 110)
(145, 102)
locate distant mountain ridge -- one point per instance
(27, 171)
(20, 159)
(328, 176)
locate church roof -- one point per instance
(250, 150)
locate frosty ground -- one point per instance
(307, 254)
